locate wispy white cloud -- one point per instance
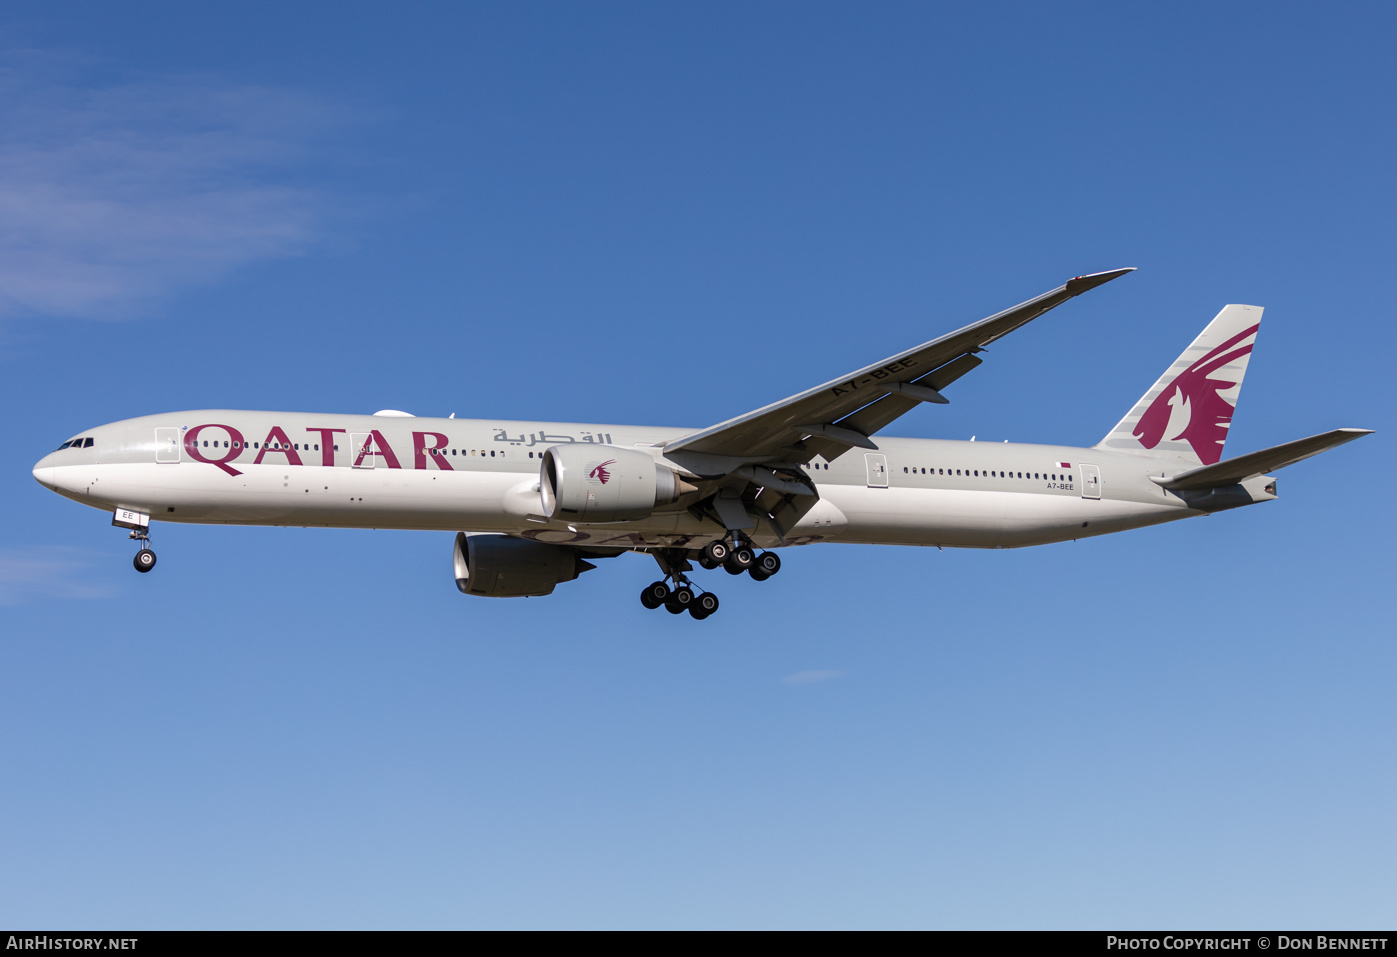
(114, 196)
(810, 677)
(53, 572)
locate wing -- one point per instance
(830, 419)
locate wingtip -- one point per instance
(1080, 284)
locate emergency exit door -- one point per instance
(877, 464)
(167, 446)
(1091, 481)
(362, 453)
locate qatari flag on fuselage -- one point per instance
(1064, 465)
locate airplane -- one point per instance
(534, 504)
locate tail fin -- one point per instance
(1186, 414)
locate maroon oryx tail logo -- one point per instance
(601, 473)
(1192, 407)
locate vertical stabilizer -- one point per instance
(1187, 413)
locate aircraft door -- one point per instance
(1091, 481)
(877, 464)
(167, 446)
(361, 450)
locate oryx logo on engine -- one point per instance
(600, 473)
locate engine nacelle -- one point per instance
(601, 483)
(496, 566)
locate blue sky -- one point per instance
(673, 214)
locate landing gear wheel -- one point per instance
(768, 563)
(757, 574)
(654, 595)
(740, 560)
(715, 553)
(144, 560)
(680, 600)
(704, 605)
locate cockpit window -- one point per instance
(83, 443)
(87, 442)
(64, 445)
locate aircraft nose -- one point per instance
(44, 473)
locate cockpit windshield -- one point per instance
(82, 443)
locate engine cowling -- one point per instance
(496, 566)
(589, 484)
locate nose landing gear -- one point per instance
(139, 523)
(145, 558)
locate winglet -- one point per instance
(1080, 284)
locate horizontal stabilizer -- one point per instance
(1242, 467)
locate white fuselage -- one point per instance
(299, 469)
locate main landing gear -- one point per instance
(679, 597)
(738, 557)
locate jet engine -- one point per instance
(496, 566)
(601, 483)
